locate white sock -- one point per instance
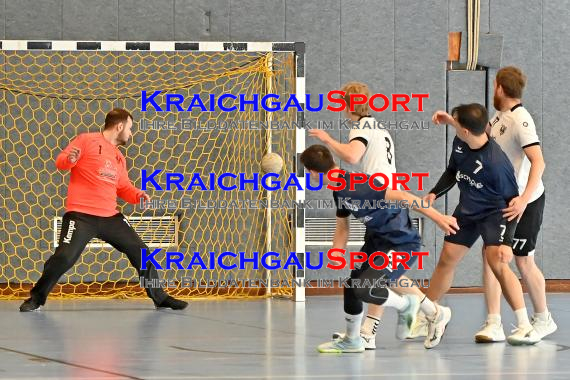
(428, 307)
(396, 301)
(522, 317)
(353, 325)
(370, 324)
(542, 316)
(494, 318)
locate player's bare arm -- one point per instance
(351, 152)
(442, 118)
(446, 223)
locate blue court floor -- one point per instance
(260, 339)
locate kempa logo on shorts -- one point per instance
(70, 229)
(469, 180)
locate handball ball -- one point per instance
(271, 163)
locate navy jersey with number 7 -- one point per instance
(485, 177)
(391, 226)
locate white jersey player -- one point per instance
(513, 129)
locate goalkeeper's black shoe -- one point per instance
(30, 305)
(172, 303)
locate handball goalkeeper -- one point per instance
(98, 177)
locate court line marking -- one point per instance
(323, 376)
(220, 352)
(239, 324)
(385, 355)
(274, 355)
(541, 344)
(70, 364)
(352, 375)
(185, 314)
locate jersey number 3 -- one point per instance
(388, 152)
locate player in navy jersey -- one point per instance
(487, 183)
(387, 229)
(371, 149)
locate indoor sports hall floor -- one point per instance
(259, 339)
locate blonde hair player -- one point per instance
(371, 147)
(513, 129)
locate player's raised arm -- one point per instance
(70, 155)
(442, 118)
(351, 152)
(446, 223)
(447, 179)
(359, 137)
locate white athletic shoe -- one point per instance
(490, 333)
(419, 327)
(436, 326)
(369, 340)
(407, 317)
(523, 336)
(544, 328)
(344, 345)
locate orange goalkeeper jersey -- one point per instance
(97, 177)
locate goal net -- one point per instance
(50, 96)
